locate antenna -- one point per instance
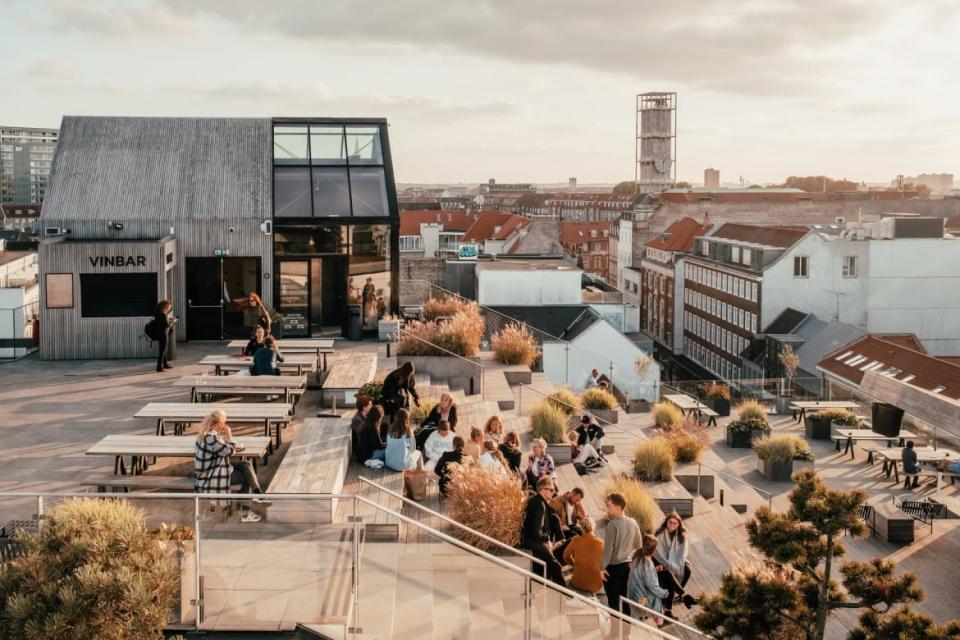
(837, 294)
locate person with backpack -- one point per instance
(159, 329)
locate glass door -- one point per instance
(293, 297)
(204, 299)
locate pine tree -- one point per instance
(792, 592)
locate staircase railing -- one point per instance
(633, 603)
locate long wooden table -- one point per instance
(689, 405)
(849, 436)
(299, 363)
(139, 448)
(319, 346)
(278, 385)
(179, 413)
(925, 455)
(799, 408)
(348, 376)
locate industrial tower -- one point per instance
(656, 144)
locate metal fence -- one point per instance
(18, 336)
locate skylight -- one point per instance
(842, 357)
(938, 389)
(909, 378)
(852, 362)
(868, 366)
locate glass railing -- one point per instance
(311, 560)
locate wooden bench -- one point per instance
(671, 496)
(376, 523)
(345, 378)
(892, 524)
(710, 414)
(315, 463)
(105, 482)
(691, 477)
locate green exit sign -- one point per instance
(221, 253)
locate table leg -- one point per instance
(324, 361)
(896, 471)
(849, 448)
(118, 468)
(885, 470)
(160, 429)
(712, 422)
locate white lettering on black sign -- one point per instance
(118, 261)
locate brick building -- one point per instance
(587, 242)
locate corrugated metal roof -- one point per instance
(111, 168)
(828, 340)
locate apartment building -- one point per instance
(26, 154)
(438, 234)
(588, 243)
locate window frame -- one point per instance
(846, 271)
(801, 266)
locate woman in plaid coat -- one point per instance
(212, 467)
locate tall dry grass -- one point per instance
(653, 460)
(549, 422)
(514, 344)
(565, 400)
(782, 448)
(443, 307)
(597, 398)
(488, 501)
(751, 409)
(640, 505)
(459, 335)
(666, 415)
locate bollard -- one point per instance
(721, 497)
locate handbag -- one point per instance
(415, 485)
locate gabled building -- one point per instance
(587, 243)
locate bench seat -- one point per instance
(892, 524)
(105, 482)
(671, 496)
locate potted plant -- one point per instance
(777, 455)
(514, 344)
(819, 425)
(388, 328)
(372, 390)
(790, 363)
(547, 421)
(653, 460)
(718, 397)
(600, 403)
(741, 432)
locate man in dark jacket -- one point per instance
(398, 387)
(536, 534)
(447, 458)
(910, 466)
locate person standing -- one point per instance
(592, 380)
(621, 537)
(254, 311)
(535, 534)
(398, 387)
(163, 322)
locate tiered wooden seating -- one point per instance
(671, 496)
(345, 377)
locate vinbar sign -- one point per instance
(118, 261)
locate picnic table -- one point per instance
(689, 405)
(139, 448)
(925, 455)
(292, 362)
(272, 385)
(849, 436)
(319, 346)
(179, 413)
(799, 408)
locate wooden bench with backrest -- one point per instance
(315, 463)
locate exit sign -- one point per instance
(221, 253)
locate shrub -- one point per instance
(666, 415)
(843, 417)
(752, 409)
(596, 398)
(782, 448)
(653, 460)
(419, 414)
(94, 571)
(565, 400)
(514, 344)
(640, 506)
(443, 307)
(687, 440)
(372, 390)
(716, 391)
(459, 335)
(749, 424)
(487, 500)
(549, 422)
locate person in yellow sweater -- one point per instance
(583, 553)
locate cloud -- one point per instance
(292, 98)
(54, 69)
(754, 47)
(119, 20)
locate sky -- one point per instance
(521, 90)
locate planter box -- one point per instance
(775, 471)
(611, 416)
(389, 330)
(742, 439)
(518, 374)
(816, 429)
(721, 406)
(638, 406)
(561, 453)
(458, 373)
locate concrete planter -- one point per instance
(609, 415)
(638, 406)
(817, 429)
(458, 373)
(687, 475)
(775, 470)
(720, 405)
(742, 439)
(561, 453)
(518, 374)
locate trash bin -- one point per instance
(354, 322)
(172, 346)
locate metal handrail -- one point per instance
(674, 621)
(336, 496)
(766, 493)
(455, 355)
(449, 520)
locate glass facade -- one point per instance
(336, 226)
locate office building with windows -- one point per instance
(205, 211)
(25, 157)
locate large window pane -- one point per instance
(370, 271)
(291, 192)
(290, 145)
(363, 145)
(117, 295)
(327, 145)
(331, 195)
(312, 240)
(369, 191)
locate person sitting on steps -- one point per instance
(439, 442)
(670, 560)
(444, 465)
(474, 446)
(642, 583)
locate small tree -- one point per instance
(794, 587)
(790, 362)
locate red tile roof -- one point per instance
(572, 233)
(779, 196)
(457, 220)
(681, 235)
(895, 360)
(774, 236)
(495, 225)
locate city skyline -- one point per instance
(532, 92)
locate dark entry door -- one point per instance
(334, 291)
(204, 289)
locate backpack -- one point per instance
(150, 329)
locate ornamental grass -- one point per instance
(459, 335)
(653, 460)
(688, 439)
(565, 400)
(666, 415)
(549, 422)
(597, 398)
(640, 505)
(782, 448)
(514, 344)
(443, 307)
(751, 409)
(487, 501)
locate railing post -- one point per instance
(197, 580)
(356, 627)
(566, 366)
(520, 400)
(39, 514)
(699, 473)
(527, 608)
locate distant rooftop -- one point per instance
(525, 265)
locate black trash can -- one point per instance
(354, 322)
(886, 419)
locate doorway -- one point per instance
(212, 285)
(312, 295)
